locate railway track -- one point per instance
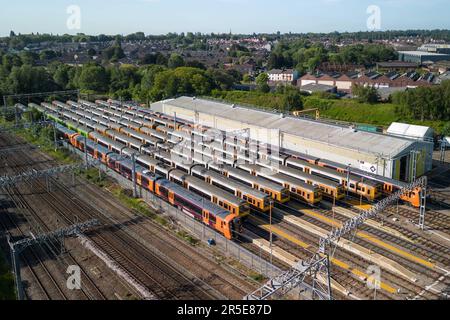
(211, 278)
(89, 289)
(422, 246)
(147, 268)
(353, 285)
(407, 288)
(48, 286)
(184, 252)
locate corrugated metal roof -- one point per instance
(330, 134)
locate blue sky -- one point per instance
(241, 16)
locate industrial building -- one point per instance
(422, 56)
(389, 156)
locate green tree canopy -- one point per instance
(175, 61)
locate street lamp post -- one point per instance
(348, 177)
(271, 233)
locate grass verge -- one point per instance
(7, 289)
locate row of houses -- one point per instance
(344, 82)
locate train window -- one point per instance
(307, 196)
(352, 185)
(163, 191)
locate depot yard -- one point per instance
(301, 202)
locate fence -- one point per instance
(199, 230)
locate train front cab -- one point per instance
(371, 191)
(260, 204)
(280, 196)
(222, 224)
(101, 154)
(413, 197)
(311, 197)
(146, 179)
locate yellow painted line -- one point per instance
(372, 239)
(361, 275)
(358, 204)
(280, 233)
(396, 250)
(321, 217)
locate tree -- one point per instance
(292, 98)
(114, 53)
(62, 75)
(183, 80)
(364, 94)
(91, 52)
(175, 61)
(123, 77)
(195, 64)
(28, 57)
(262, 82)
(446, 130)
(28, 79)
(93, 77)
(47, 55)
(221, 79)
(246, 78)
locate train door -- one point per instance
(139, 178)
(171, 198)
(205, 216)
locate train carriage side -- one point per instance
(277, 192)
(200, 209)
(214, 194)
(298, 188)
(254, 198)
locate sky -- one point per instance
(237, 16)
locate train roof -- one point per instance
(206, 188)
(129, 164)
(99, 127)
(148, 160)
(115, 144)
(195, 199)
(301, 174)
(239, 173)
(331, 172)
(64, 129)
(150, 175)
(87, 103)
(129, 151)
(103, 149)
(278, 177)
(202, 171)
